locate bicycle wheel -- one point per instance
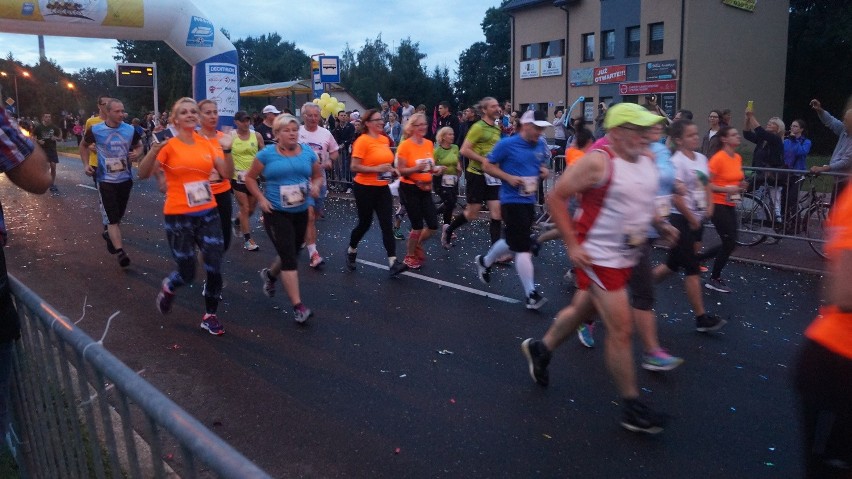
(752, 217)
(814, 228)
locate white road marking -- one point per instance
(459, 287)
(88, 186)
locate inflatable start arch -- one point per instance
(193, 36)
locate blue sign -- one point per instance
(27, 9)
(318, 86)
(329, 69)
(201, 33)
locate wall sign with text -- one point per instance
(551, 67)
(530, 69)
(610, 74)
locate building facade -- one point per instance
(694, 54)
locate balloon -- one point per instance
(316, 101)
(325, 96)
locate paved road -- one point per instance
(365, 377)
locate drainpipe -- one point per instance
(679, 101)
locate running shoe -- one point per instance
(110, 246)
(707, 323)
(535, 300)
(446, 241)
(412, 262)
(316, 260)
(535, 246)
(660, 360)
(484, 272)
(250, 245)
(268, 283)
(397, 268)
(716, 284)
(123, 259)
(165, 298)
(538, 357)
(302, 313)
(638, 417)
(397, 233)
(211, 323)
(586, 334)
(350, 260)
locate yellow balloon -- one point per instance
(316, 101)
(325, 96)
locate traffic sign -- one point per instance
(329, 69)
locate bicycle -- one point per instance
(757, 220)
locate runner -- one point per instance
(118, 145)
(191, 219)
(220, 185)
(447, 155)
(324, 145)
(372, 163)
(416, 165)
(520, 161)
(619, 185)
(245, 147)
(46, 134)
(292, 172)
(823, 374)
(480, 140)
(92, 121)
(691, 209)
(265, 127)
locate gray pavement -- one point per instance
(421, 376)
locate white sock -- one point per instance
(352, 250)
(312, 248)
(524, 266)
(498, 249)
(391, 260)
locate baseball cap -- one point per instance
(630, 113)
(537, 118)
(355, 116)
(270, 109)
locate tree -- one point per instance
(174, 75)
(483, 68)
(268, 58)
(819, 63)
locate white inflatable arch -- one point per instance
(193, 36)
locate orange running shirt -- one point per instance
(725, 170)
(372, 152)
(217, 183)
(410, 154)
(572, 155)
(187, 169)
(833, 328)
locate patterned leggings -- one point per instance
(186, 233)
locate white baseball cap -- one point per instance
(270, 109)
(536, 117)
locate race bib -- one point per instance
(664, 206)
(115, 165)
(386, 176)
(241, 176)
(492, 181)
(198, 193)
(292, 195)
(529, 187)
(425, 165)
(449, 180)
(699, 195)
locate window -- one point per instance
(555, 48)
(608, 44)
(534, 106)
(656, 33)
(633, 38)
(531, 52)
(588, 47)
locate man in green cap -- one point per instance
(618, 183)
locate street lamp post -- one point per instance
(26, 74)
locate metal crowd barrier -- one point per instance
(781, 203)
(80, 412)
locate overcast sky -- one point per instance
(442, 27)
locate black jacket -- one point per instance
(769, 149)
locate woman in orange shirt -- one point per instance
(191, 219)
(824, 371)
(416, 164)
(221, 187)
(372, 163)
(726, 182)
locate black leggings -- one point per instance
(725, 220)
(449, 197)
(369, 199)
(224, 204)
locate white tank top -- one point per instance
(614, 217)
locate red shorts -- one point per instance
(609, 279)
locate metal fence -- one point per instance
(79, 412)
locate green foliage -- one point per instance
(174, 75)
(269, 59)
(44, 91)
(819, 63)
(484, 67)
